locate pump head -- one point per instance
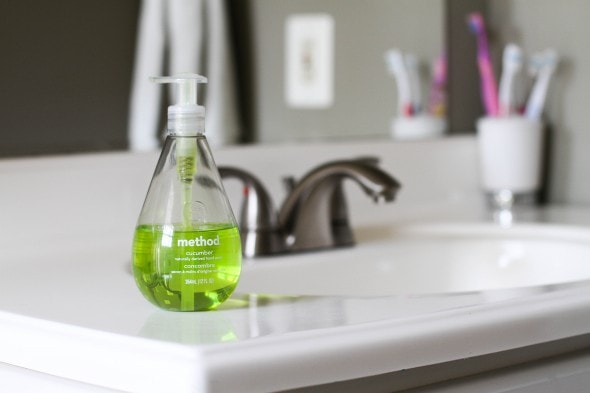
(185, 117)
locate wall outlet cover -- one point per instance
(309, 61)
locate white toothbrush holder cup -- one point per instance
(417, 127)
(510, 152)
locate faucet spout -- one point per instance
(314, 214)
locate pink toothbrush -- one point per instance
(437, 96)
(486, 71)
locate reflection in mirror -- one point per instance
(319, 69)
(289, 60)
(68, 80)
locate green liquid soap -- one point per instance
(187, 268)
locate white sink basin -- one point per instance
(433, 259)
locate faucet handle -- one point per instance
(259, 229)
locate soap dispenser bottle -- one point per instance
(186, 250)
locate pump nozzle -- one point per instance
(185, 117)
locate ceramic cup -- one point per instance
(510, 152)
(417, 127)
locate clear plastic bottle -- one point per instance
(186, 250)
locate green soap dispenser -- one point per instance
(186, 250)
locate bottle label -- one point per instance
(198, 261)
(190, 260)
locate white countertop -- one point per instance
(69, 308)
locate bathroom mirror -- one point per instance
(67, 70)
(66, 81)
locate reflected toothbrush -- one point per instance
(545, 68)
(511, 65)
(414, 77)
(488, 82)
(437, 96)
(395, 64)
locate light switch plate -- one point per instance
(309, 61)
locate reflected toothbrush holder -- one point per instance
(510, 157)
(418, 127)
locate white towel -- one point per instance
(185, 31)
(221, 122)
(194, 32)
(144, 107)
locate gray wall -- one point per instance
(563, 25)
(365, 98)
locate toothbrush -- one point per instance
(535, 64)
(545, 70)
(396, 66)
(437, 96)
(524, 87)
(486, 71)
(414, 77)
(511, 65)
